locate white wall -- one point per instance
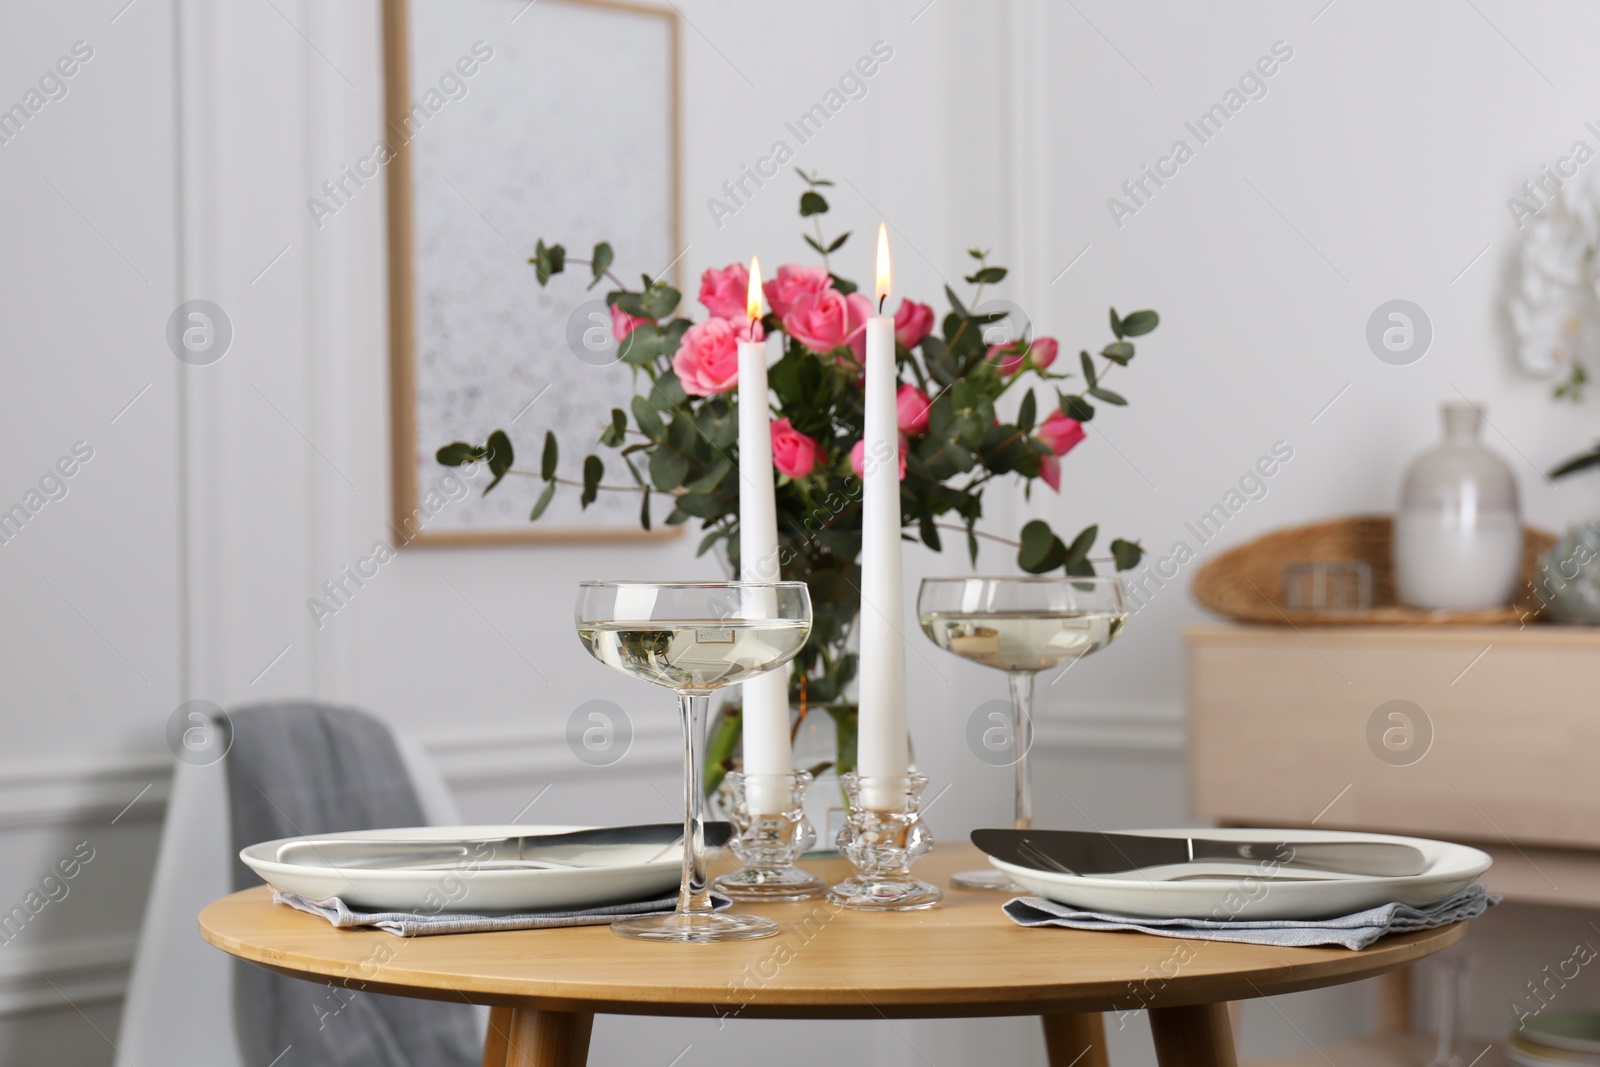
(181, 559)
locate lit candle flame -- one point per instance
(753, 299)
(882, 288)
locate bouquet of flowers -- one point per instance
(680, 437)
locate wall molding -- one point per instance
(1107, 730)
(129, 789)
(67, 974)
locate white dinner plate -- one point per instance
(1259, 892)
(619, 873)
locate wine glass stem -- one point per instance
(695, 893)
(1021, 684)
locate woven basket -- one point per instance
(1246, 583)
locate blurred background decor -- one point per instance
(1247, 582)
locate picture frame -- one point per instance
(500, 316)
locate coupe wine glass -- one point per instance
(1020, 625)
(693, 638)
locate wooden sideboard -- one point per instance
(1496, 743)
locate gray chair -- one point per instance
(179, 1009)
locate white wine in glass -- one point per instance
(1022, 626)
(693, 638)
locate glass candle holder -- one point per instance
(768, 845)
(883, 844)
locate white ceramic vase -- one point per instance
(1458, 532)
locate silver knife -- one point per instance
(1088, 852)
(529, 850)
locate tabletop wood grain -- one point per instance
(963, 958)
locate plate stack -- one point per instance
(1554, 1038)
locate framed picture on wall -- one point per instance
(508, 122)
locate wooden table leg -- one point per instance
(498, 1041)
(1394, 1001)
(548, 1038)
(1197, 1035)
(1075, 1039)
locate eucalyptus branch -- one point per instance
(618, 282)
(1007, 541)
(608, 488)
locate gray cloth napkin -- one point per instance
(1352, 931)
(418, 924)
(303, 768)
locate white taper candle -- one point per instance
(766, 698)
(882, 746)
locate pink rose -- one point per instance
(1014, 355)
(792, 283)
(912, 323)
(726, 292)
(707, 362)
(826, 320)
(911, 409)
(1050, 471)
(1010, 357)
(1043, 352)
(622, 323)
(858, 456)
(1061, 433)
(793, 453)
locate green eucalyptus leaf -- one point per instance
(1116, 325)
(812, 203)
(702, 505)
(668, 469)
(593, 469)
(1140, 323)
(1027, 413)
(1582, 461)
(1108, 396)
(547, 462)
(599, 261)
(499, 457)
(844, 285)
(814, 243)
(1076, 407)
(543, 501)
(930, 532)
(972, 545)
(458, 453)
(708, 540)
(548, 261)
(667, 393)
(660, 300)
(987, 276)
(1127, 554)
(1035, 555)
(838, 242)
(955, 304)
(712, 477)
(649, 421)
(1088, 367)
(1119, 352)
(1082, 545)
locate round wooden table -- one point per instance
(961, 959)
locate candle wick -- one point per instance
(881, 300)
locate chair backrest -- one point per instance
(178, 1011)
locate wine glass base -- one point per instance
(990, 881)
(885, 893)
(769, 883)
(696, 928)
